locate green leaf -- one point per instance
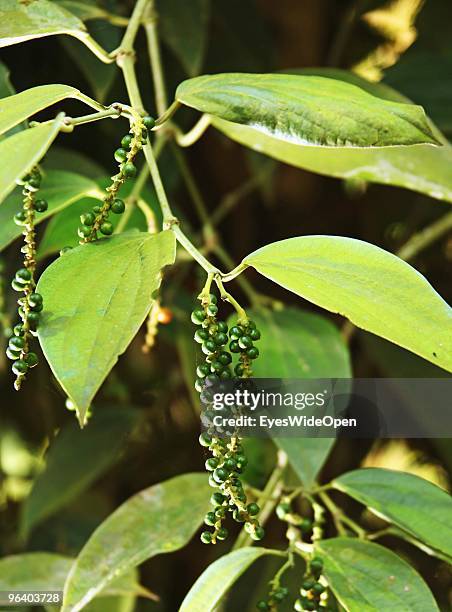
(36, 570)
(417, 506)
(366, 577)
(148, 524)
(75, 460)
(20, 152)
(104, 290)
(218, 578)
(21, 21)
(60, 189)
(376, 290)
(184, 28)
(15, 109)
(62, 229)
(6, 88)
(298, 344)
(422, 168)
(307, 110)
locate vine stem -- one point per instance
(340, 518)
(189, 138)
(150, 27)
(268, 500)
(227, 297)
(114, 111)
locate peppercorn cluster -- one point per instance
(276, 596)
(313, 593)
(227, 461)
(96, 220)
(30, 303)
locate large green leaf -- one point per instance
(218, 578)
(149, 523)
(417, 506)
(422, 168)
(37, 570)
(307, 110)
(298, 344)
(15, 109)
(376, 290)
(367, 577)
(21, 21)
(60, 189)
(184, 28)
(96, 298)
(74, 460)
(20, 152)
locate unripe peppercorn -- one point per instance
(206, 537)
(88, 218)
(149, 122)
(118, 206)
(120, 155)
(126, 141)
(106, 228)
(19, 367)
(41, 206)
(198, 316)
(129, 170)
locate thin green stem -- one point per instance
(167, 114)
(227, 297)
(340, 518)
(168, 216)
(95, 48)
(192, 250)
(151, 30)
(268, 500)
(425, 237)
(189, 138)
(234, 273)
(126, 63)
(114, 111)
(128, 40)
(253, 296)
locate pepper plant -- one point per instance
(120, 253)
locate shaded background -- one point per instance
(278, 202)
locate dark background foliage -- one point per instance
(244, 35)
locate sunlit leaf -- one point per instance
(376, 290)
(367, 577)
(148, 524)
(307, 110)
(417, 506)
(105, 304)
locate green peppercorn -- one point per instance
(220, 475)
(230, 464)
(252, 509)
(20, 218)
(245, 342)
(316, 565)
(211, 464)
(239, 369)
(205, 439)
(222, 533)
(208, 347)
(235, 333)
(258, 533)
(97, 209)
(254, 334)
(212, 309)
(19, 330)
(41, 206)
(306, 525)
(84, 231)
(144, 136)
(33, 318)
(224, 358)
(118, 207)
(129, 170)
(16, 343)
(225, 374)
(19, 367)
(88, 218)
(37, 307)
(234, 346)
(220, 512)
(31, 360)
(318, 588)
(309, 605)
(199, 385)
(120, 155)
(13, 355)
(23, 276)
(220, 338)
(210, 519)
(198, 316)
(148, 122)
(262, 605)
(17, 286)
(106, 228)
(217, 499)
(222, 327)
(307, 584)
(126, 141)
(206, 537)
(238, 516)
(34, 182)
(253, 352)
(202, 370)
(34, 299)
(201, 335)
